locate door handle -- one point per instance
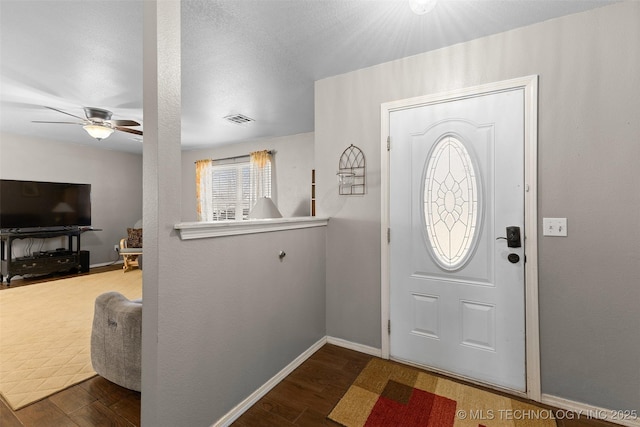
(513, 237)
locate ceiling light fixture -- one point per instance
(422, 7)
(98, 132)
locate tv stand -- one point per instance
(63, 259)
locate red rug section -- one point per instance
(423, 409)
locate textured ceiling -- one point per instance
(259, 58)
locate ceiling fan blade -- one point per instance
(64, 123)
(64, 112)
(134, 131)
(124, 123)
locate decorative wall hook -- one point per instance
(351, 171)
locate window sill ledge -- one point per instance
(203, 230)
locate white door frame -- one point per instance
(530, 86)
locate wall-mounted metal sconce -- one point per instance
(351, 171)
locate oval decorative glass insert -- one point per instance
(451, 203)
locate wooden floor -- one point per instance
(94, 402)
(303, 398)
(309, 393)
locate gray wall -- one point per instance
(222, 315)
(235, 317)
(291, 172)
(589, 134)
(115, 178)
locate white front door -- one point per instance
(456, 182)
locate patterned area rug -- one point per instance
(390, 394)
(45, 333)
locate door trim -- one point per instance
(532, 333)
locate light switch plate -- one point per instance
(554, 227)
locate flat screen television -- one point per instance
(36, 205)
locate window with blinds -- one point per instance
(236, 187)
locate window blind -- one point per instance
(236, 187)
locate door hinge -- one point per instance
(389, 326)
(388, 143)
(388, 235)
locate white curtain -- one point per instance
(204, 190)
(260, 175)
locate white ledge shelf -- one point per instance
(203, 230)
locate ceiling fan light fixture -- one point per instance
(97, 113)
(97, 131)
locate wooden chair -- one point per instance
(131, 255)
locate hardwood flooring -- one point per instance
(307, 395)
(94, 402)
(304, 398)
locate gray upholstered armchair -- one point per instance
(116, 339)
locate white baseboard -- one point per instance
(243, 406)
(617, 417)
(372, 351)
(573, 407)
(630, 418)
(240, 408)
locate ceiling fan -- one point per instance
(98, 122)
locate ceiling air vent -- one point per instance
(238, 119)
